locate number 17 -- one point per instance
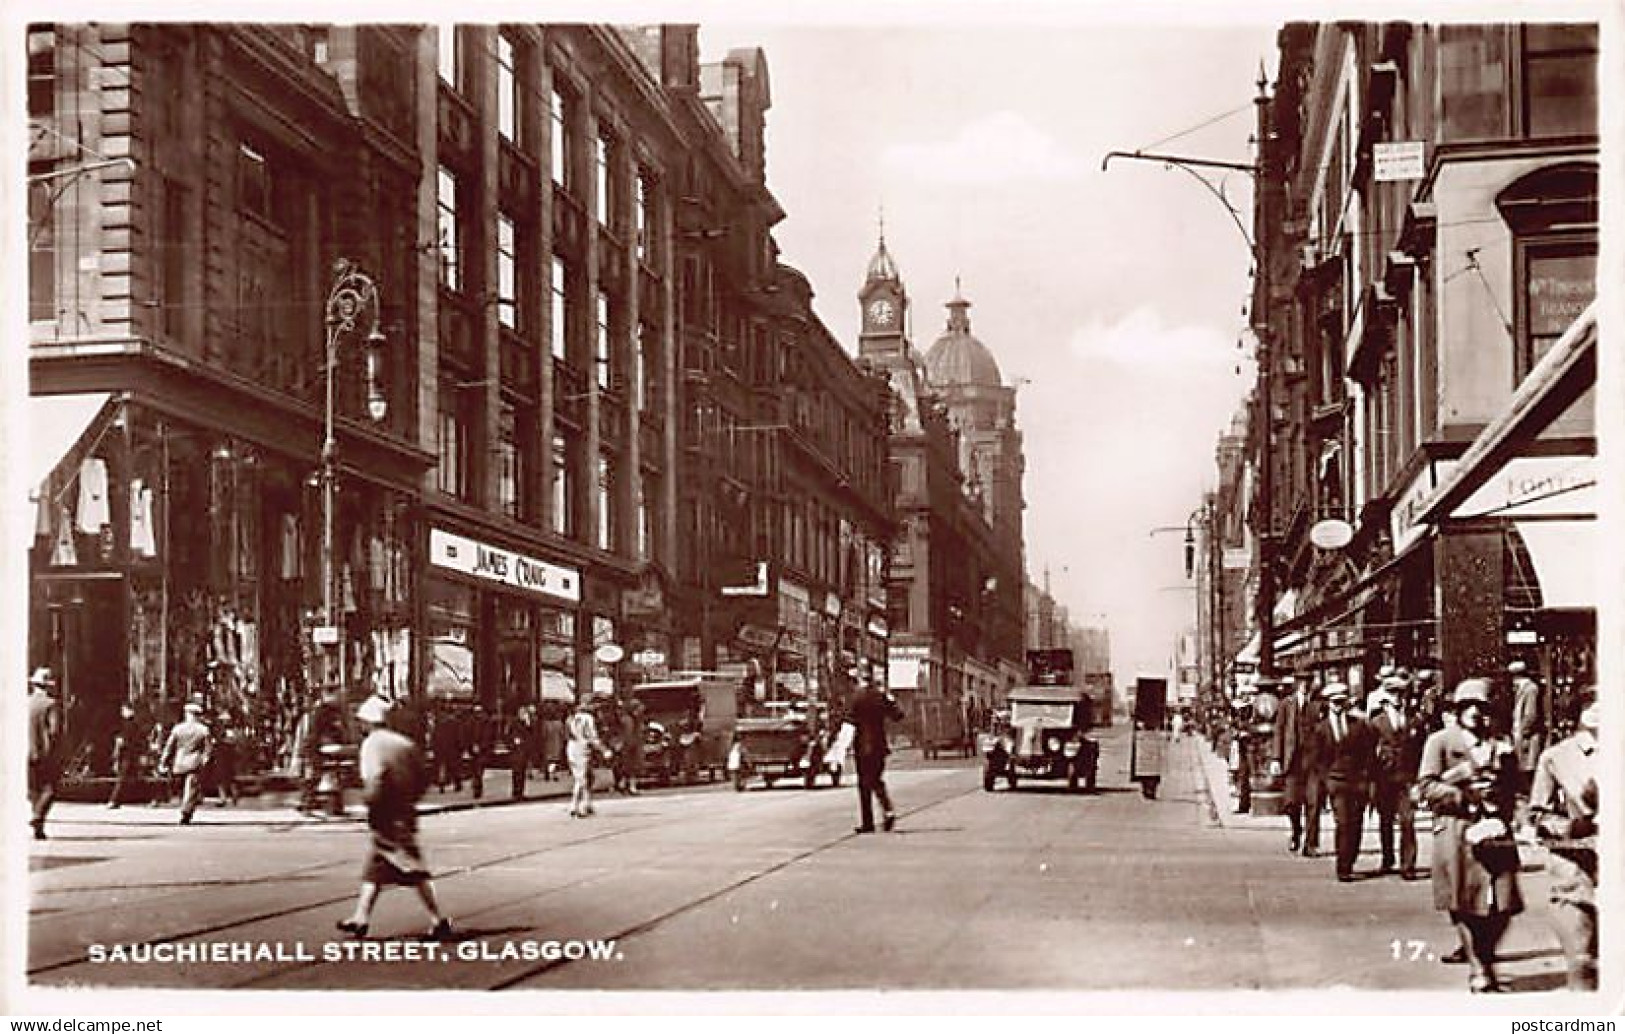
(1408, 950)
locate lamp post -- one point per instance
(352, 302)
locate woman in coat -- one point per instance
(1468, 780)
(394, 776)
(583, 742)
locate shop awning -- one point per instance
(1286, 608)
(1565, 561)
(55, 424)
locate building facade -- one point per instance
(1428, 223)
(570, 308)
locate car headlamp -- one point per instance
(1072, 750)
(1052, 743)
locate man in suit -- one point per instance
(1398, 754)
(44, 746)
(1528, 724)
(1291, 760)
(1345, 748)
(870, 711)
(186, 754)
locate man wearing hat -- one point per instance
(186, 753)
(1468, 780)
(44, 746)
(127, 743)
(1346, 749)
(1528, 723)
(1291, 761)
(1563, 810)
(1398, 755)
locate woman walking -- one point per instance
(583, 742)
(393, 773)
(1468, 779)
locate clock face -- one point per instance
(882, 311)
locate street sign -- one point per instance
(1399, 160)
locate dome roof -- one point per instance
(958, 357)
(881, 267)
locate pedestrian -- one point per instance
(552, 739)
(394, 778)
(186, 754)
(1528, 723)
(322, 729)
(521, 743)
(583, 743)
(44, 747)
(128, 744)
(1468, 780)
(633, 726)
(1563, 810)
(1240, 762)
(1345, 748)
(1291, 761)
(871, 709)
(223, 765)
(1399, 755)
(447, 751)
(476, 740)
(1177, 725)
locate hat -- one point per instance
(1335, 690)
(193, 707)
(1517, 667)
(42, 677)
(1589, 718)
(1386, 671)
(1379, 698)
(1471, 691)
(373, 710)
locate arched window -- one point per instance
(1552, 214)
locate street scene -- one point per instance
(528, 507)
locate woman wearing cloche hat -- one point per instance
(1468, 780)
(394, 777)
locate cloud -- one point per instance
(1003, 147)
(1142, 340)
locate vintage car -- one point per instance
(1045, 738)
(690, 727)
(783, 743)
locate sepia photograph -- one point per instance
(1028, 502)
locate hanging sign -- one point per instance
(1398, 160)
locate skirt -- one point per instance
(394, 857)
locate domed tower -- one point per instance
(885, 306)
(983, 410)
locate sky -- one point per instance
(1114, 300)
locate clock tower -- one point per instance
(885, 306)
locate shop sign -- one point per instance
(910, 653)
(1398, 160)
(1531, 486)
(649, 659)
(515, 570)
(877, 627)
(1402, 518)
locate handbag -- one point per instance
(1492, 844)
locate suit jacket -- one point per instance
(188, 748)
(1293, 725)
(1349, 760)
(1399, 750)
(870, 711)
(1528, 727)
(44, 726)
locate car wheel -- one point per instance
(988, 778)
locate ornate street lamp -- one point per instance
(352, 302)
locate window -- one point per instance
(600, 161)
(606, 503)
(560, 308)
(507, 89)
(1559, 280)
(508, 465)
(253, 182)
(41, 71)
(643, 521)
(648, 517)
(645, 218)
(562, 495)
(451, 475)
(642, 363)
(41, 251)
(450, 271)
(171, 291)
(507, 273)
(1560, 80)
(600, 346)
(451, 56)
(559, 109)
(1552, 214)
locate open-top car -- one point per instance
(783, 743)
(1045, 738)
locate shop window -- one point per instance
(1559, 80)
(448, 233)
(1552, 214)
(451, 640)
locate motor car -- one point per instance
(1045, 737)
(782, 744)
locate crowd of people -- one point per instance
(1482, 762)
